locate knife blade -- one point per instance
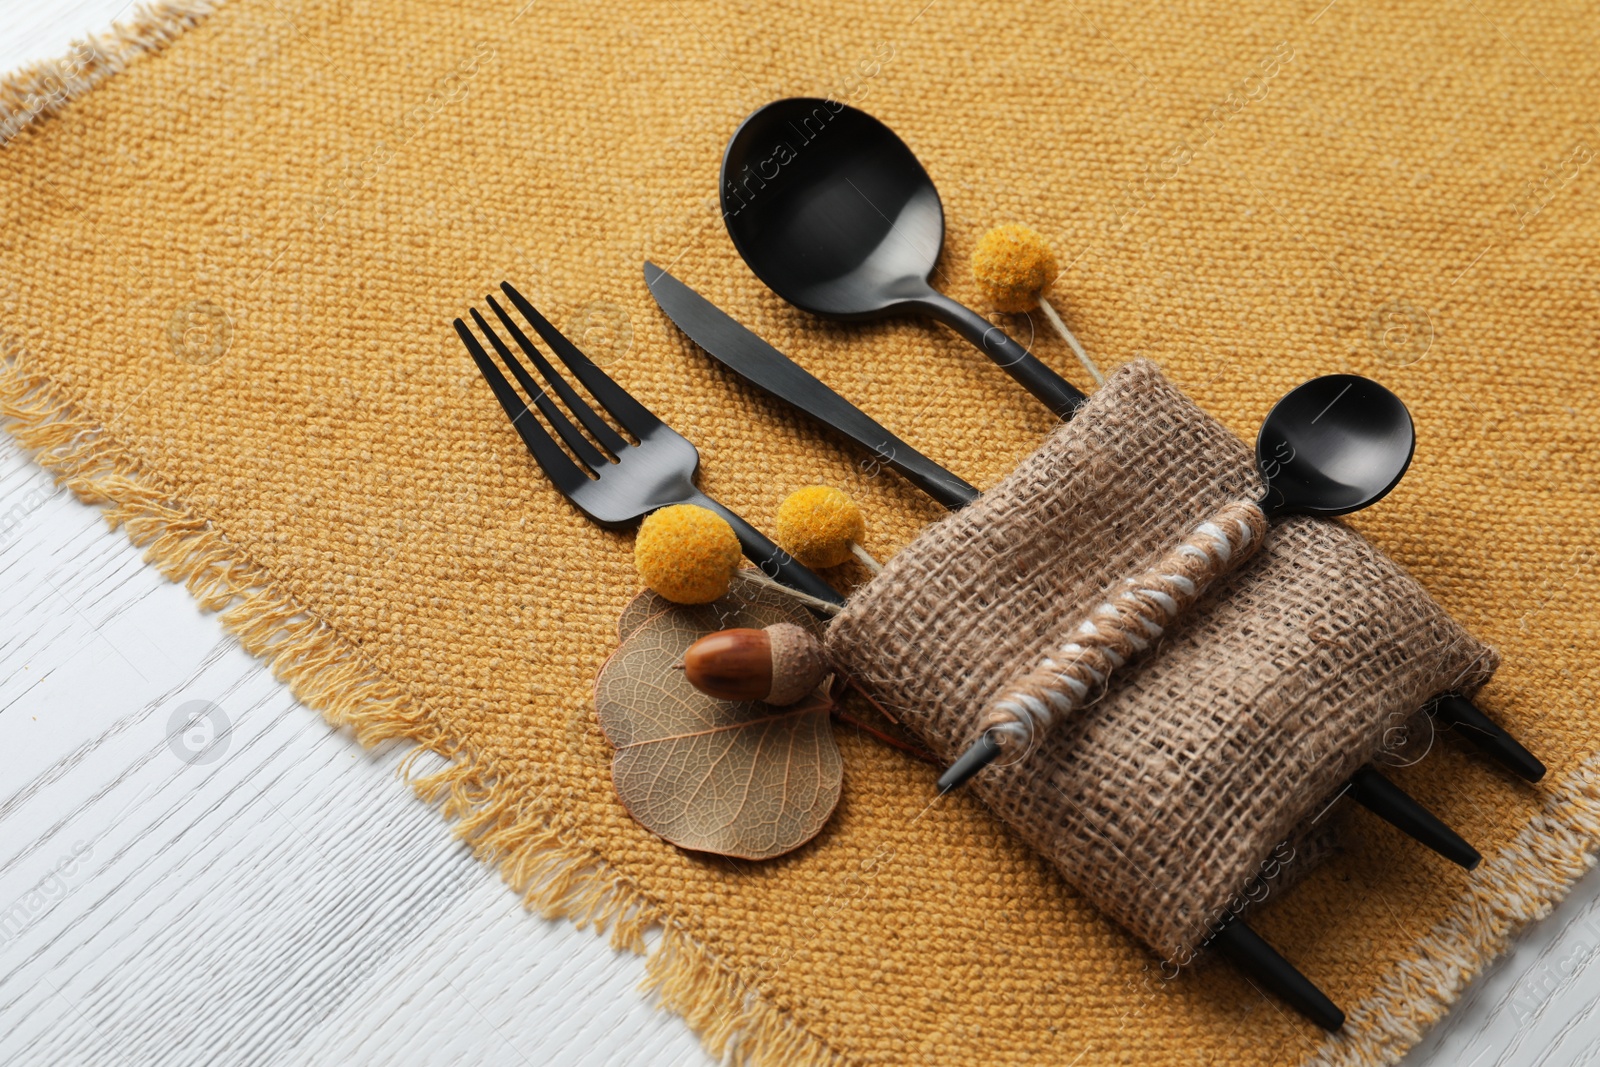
(757, 362)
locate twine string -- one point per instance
(1128, 623)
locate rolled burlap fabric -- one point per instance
(1164, 799)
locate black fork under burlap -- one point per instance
(612, 481)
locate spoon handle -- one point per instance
(1054, 391)
(1388, 802)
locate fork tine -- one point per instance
(634, 416)
(557, 467)
(587, 454)
(597, 426)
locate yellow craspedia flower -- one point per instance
(686, 553)
(1013, 265)
(817, 525)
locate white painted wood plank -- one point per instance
(265, 892)
(281, 898)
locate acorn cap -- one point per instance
(798, 665)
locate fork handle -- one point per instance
(773, 561)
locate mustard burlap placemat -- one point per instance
(228, 274)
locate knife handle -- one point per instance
(922, 472)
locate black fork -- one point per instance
(612, 481)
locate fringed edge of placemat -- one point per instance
(1522, 883)
(43, 89)
(550, 865)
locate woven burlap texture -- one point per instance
(227, 275)
(1161, 800)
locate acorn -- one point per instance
(779, 665)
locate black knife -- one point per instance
(760, 364)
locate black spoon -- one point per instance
(834, 213)
(1302, 479)
(1334, 445)
(1331, 446)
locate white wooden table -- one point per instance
(195, 869)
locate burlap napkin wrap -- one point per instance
(1161, 801)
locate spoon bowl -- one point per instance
(1333, 445)
(836, 215)
(830, 209)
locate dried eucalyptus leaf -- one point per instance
(743, 597)
(639, 609)
(740, 779)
